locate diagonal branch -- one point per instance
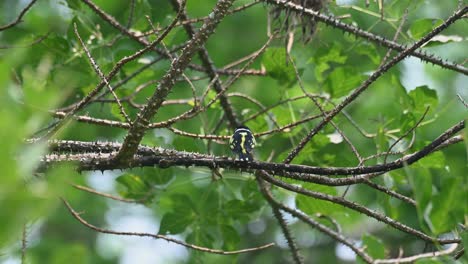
(210, 68)
(379, 72)
(138, 129)
(88, 98)
(351, 205)
(101, 75)
(367, 35)
(19, 18)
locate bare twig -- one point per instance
(101, 75)
(24, 244)
(351, 205)
(414, 258)
(463, 101)
(282, 222)
(106, 195)
(19, 18)
(405, 134)
(112, 73)
(77, 216)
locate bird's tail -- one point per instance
(246, 156)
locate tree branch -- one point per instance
(367, 35)
(379, 72)
(158, 236)
(138, 129)
(19, 18)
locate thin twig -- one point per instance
(101, 75)
(24, 244)
(106, 195)
(77, 216)
(19, 18)
(405, 134)
(463, 101)
(414, 258)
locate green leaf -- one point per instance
(342, 80)
(422, 97)
(200, 237)
(188, 144)
(464, 238)
(73, 253)
(277, 66)
(183, 214)
(74, 4)
(136, 187)
(239, 210)
(369, 51)
(175, 223)
(421, 27)
(421, 182)
(443, 205)
(231, 237)
(325, 62)
(115, 110)
(313, 206)
(158, 176)
(404, 100)
(407, 121)
(434, 160)
(374, 247)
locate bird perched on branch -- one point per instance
(242, 143)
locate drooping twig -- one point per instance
(106, 195)
(78, 217)
(405, 134)
(19, 17)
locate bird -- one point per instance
(242, 143)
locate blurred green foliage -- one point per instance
(37, 75)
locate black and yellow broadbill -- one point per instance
(242, 143)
